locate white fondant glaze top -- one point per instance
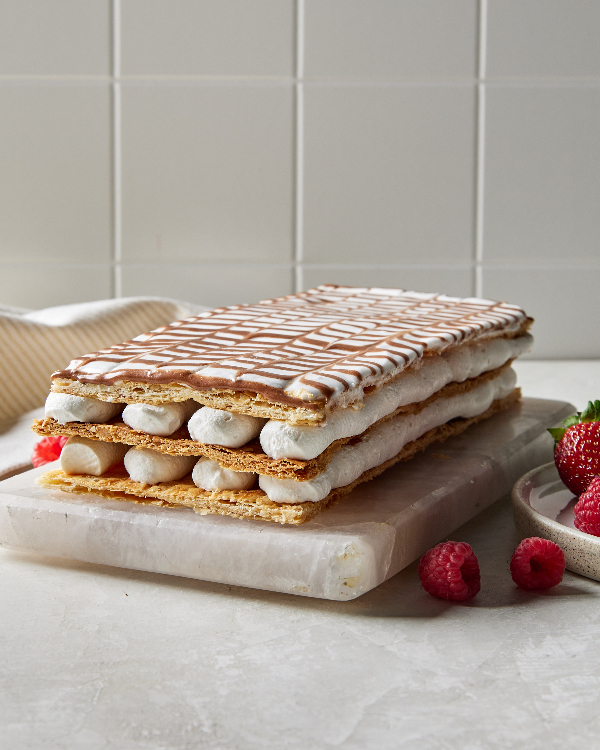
(324, 346)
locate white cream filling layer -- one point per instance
(209, 475)
(151, 467)
(158, 419)
(219, 427)
(83, 456)
(63, 407)
(283, 440)
(386, 441)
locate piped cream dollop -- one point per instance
(63, 407)
(209, 475)
(152, 467)
(219, 427)
(158, 419)
(84, 456)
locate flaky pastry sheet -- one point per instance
(249, 457)
(253, 504)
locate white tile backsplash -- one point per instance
(543, 38)
(388, 174)
(38, 285)
(542, 175)
(61, 37)
(207, 172)
(563, 301)
(453, 280)
(208, 37)
(228, 151)
(389, 40)
(210, 284)
(55, 163)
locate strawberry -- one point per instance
(587, 510)
(577, 448)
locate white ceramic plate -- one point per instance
(543, 506)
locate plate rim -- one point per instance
(518, 498)
(582, 551)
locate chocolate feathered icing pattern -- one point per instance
(311, 348)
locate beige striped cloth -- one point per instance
(34, 344)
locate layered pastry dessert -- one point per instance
(274, 411)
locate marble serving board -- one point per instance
(370, 535)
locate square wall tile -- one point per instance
(563, 301)
(570, 381)
(208, 37)
(387, 39)
(207, 284)
(542, 174)
(207, 173)
(543, 38)
(39, 285)
(56, 172)
(457, 282)
(389, 174)
(62, 37)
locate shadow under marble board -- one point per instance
(369, 536)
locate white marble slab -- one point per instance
(368, 537)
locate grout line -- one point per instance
(71, 79)
(116, 134)
(299, 40)
(480, 190)
(299, 277)
(116, 30)
(299, 150)
(543, 265)
(117, 196)
(482, 41)
(391, 84)
(392, 266)
(456, 82)
(480, 158)
(543, 83)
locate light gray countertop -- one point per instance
(96, 657)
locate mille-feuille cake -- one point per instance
(275, 410)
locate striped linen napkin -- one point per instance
(34, 344)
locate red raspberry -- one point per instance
(450, 571)
(537, 564)
(47, 449)
(587, 510)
